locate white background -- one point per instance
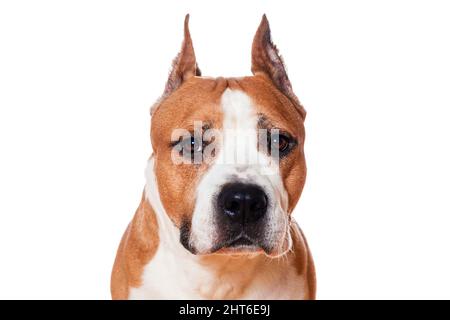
(77, 79)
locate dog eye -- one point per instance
(191, 145)
(280, 141)
(190, 148)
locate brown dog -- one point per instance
(215, 219)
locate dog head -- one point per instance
(228, 153)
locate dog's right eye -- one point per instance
(190, 148)
(191, 145)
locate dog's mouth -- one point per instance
(242, 244)
(242, 241)
(235, 242)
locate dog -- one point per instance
(215, 229)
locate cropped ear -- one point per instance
(266, 60)
(184, 66)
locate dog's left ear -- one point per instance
(184, 66)
(267, 60)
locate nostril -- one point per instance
(232, 205)
(259, 204)
(257, 207)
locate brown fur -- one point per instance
(196, 100)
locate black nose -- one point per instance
(242, 202)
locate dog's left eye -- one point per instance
(282, 142)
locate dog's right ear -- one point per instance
(184, 66)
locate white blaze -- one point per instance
(238, 159)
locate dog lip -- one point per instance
(241, 241)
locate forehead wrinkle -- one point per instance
(276, 118)
(269, 101)
(265, 123)
(206, 124)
